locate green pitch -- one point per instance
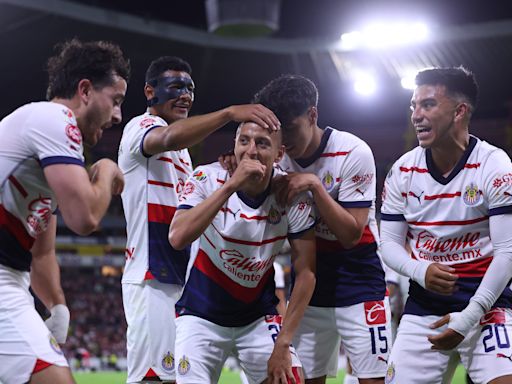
(227, 377)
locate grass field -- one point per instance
(227, 377)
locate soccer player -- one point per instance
(450, 199)
(155, 161)
(349, 298)
(228, 304)
(42, 167)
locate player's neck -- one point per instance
(255, 190)
(446, 156)
(314, 143)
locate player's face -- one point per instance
(257, 143)
(178, 108)
(298, 135)
(103, 110)
(433, 115)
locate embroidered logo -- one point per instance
(274, 217)
(328, 181)
(183, 366)
(168, 362)
(472, 195)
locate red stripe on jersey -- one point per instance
(161, 183)
(158, 213)
(220, 181)
(244, 216)
(206, 237)
(443, 196)
(18, 186)
(296, 375)
(239, 292)
(169, 160)
(338, 179)
(404, 194)
(40, 365)
(327, 246)
(183, 161)
(255, 243)
(413, 169)
(14, 226)
(449, 222)
(334, 154)
(477, 165)
(474, 268)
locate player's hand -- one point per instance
(228, 162)
(111, 170)
(248, 172)
(441, 279)
(256, 113)
(58, 322)
(279, 366)
(448, 339)
(295, 184)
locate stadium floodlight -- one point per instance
(408, 80)
(383, 35)
(364, 83)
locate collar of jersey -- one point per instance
(306, 162)
(436, 174)
(255, 202)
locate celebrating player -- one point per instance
(42, 166)
(228, 304)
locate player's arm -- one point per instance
(188, 224)
(304, 264)
(495, 280)
(184, 133)
(45, 281)
(83, 198)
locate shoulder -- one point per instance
(209, 172)
(146, 121)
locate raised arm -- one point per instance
(190, 131)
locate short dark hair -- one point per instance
(75, 60)
(459, 82)
(288, 96)
(167, 63)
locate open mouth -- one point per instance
(423, 129)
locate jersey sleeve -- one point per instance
(393, 201)
(301, 216)
(138, 132)
(498, 183)
(55, 138)
(196, 189)
(358, 184)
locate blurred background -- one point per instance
(362, 55)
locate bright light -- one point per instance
(408, 79)
(364, 84)
(383, 35)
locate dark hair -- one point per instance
(167, 63)
(97, 61)
(288, 96)
(459, 82)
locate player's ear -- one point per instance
(84, 89)
(280, 153)
(149, 91)
(313, 115)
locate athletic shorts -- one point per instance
(150, 315)
(202, 347)
(486, 352)
(363, 329)
(24, 337)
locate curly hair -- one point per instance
(166, 63)
(75, 60)
(288, 96)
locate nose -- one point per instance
(417, 115)
(252, 150)
(117, 116)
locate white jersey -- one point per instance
(32, 137)
(231, 280)
(150, 197)
(448, 217)
(345, 165)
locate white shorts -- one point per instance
(202, 347)
(364, 330)
(150, 314)
(486, 352)
(24, 337)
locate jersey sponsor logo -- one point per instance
(238, 265)
(74, 134)
(40, 214)
(274, 216)
(187, 190)
(183, 365)
(505, 179)
(147, 122)
(375, 312)
(472, 195)
(273, 319)
(199, 176)
(365, 179)
(54, 345)
(494, 316)
(168, 362)
(428, 242)
(328, 181)
(390, 374)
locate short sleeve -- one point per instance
(54, 137)
(195, 190)
(301, 216)
(393, 201)
(498, 183)
(138, 130)
(358, 184)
